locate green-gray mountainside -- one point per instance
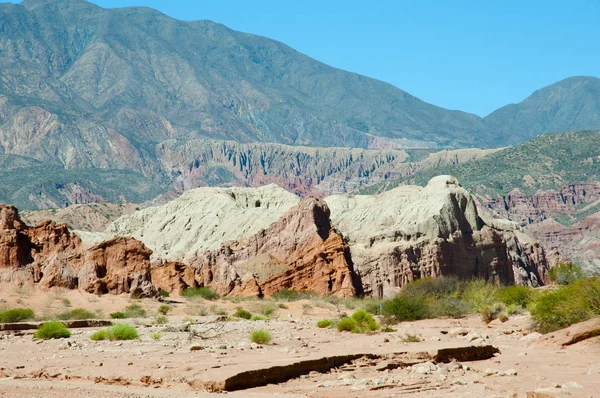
(123, 104)
(550, 161)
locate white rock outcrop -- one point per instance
(202, 219)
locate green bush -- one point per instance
(161, 320)
(163, 293)
(77, 314)
(241, 313)
(479, 294)
(117, 315)
(325, 323)
(259, 318)
(569, 304)
(119, 331)
(406, 308)
(204, 292)
(565, 273)
(52, 330)
(260, 336)
(134, 311)
(365, 321)
(16, 315)
(156, 336)
(515, 295)
(164, 309)
(346, 325)
(266, 309)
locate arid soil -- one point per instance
(195, 353)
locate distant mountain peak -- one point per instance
(33, 4)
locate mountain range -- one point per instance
(123, 104)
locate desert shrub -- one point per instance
(405, 308)
(364, 321)
(156, 336)
(66, 302)
(266, 309)
(515, 295)
(119, 331)
(76, 313)
(503, 317)
(434, 287)
(117, 315)
(99, 335)
(52, 330)
(565, 273)
(204, 292)
(411, 338)
(569, 304)
(491, 312)
(451, 307)
(293, 295)
(260, 336)
(164, 309)
(161, 320)
(258, 318)
(325, 323)
(479, 294)
(241, 313)
(282, 306)
(346, 325)
(16, 315)
(134, 311)
(163, 293)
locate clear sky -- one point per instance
(470, 55)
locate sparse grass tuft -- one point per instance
(164, 309)
(119, 331)
(411, 338)
(117, 315)
(76, 314)
(260, 336)
(325, 323)
(259, 318)
(242, 313)
(156, 336)
(161, 320)
(52, 330)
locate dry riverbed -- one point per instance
(197, 356)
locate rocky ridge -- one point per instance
(402, 235)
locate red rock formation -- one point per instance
(173, 277)
(300, 251)
(51, 255)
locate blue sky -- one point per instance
(470, 55)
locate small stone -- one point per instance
(458, 332)
(435, 338)
(490, 371)
(572, 384)
(532, 337)
(511, 372)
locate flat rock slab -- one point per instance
(88, 323)
(572, 335)
(261, 376)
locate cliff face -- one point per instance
(529, 209)
(412, 232)
(300, 251)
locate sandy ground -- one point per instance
(167, 367)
